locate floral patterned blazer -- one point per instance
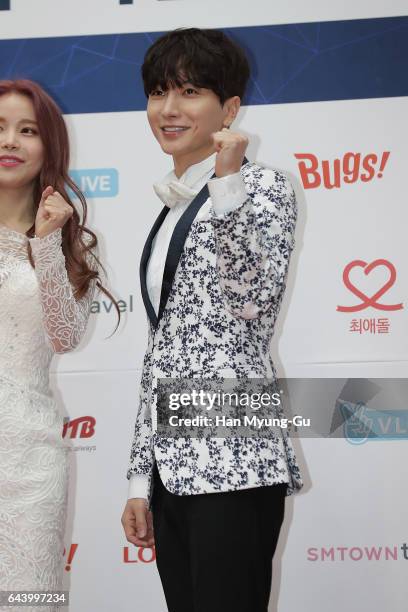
(223, 284)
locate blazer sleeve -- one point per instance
(141, 453)
(254, 243)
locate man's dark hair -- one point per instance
(204, 58)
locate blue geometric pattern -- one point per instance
(305, 62)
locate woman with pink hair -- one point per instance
(48, 274)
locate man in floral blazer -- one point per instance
(213, 273)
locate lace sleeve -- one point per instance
(65, 318)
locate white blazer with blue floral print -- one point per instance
(223, 284)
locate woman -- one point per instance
(48, 274)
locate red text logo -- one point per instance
(139, 555)
(351, 168)
(367, 301)
(70, 556)
(85, 425)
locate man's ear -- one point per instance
(231, 107)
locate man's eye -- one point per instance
(157, 92)
(190, 91)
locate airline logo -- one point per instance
(82, 427)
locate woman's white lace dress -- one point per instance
(38, 317)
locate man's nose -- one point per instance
(171, 104)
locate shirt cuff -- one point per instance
(227, 193)
(138, 486)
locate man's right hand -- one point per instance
(137, 523)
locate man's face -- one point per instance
(183, 120)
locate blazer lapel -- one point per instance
(177, 244)
(174, 251)
(143, 265)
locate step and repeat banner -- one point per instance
(327, 104)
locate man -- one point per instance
(213, 274)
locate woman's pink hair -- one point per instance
(54, 172)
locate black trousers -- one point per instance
(214, 551)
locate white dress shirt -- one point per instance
(227, 193)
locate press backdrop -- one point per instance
(327, 104)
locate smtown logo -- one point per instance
(82, 427)
(351, 168)
(358, 553)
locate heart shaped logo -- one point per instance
(366, 300)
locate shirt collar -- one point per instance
(194, 173)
